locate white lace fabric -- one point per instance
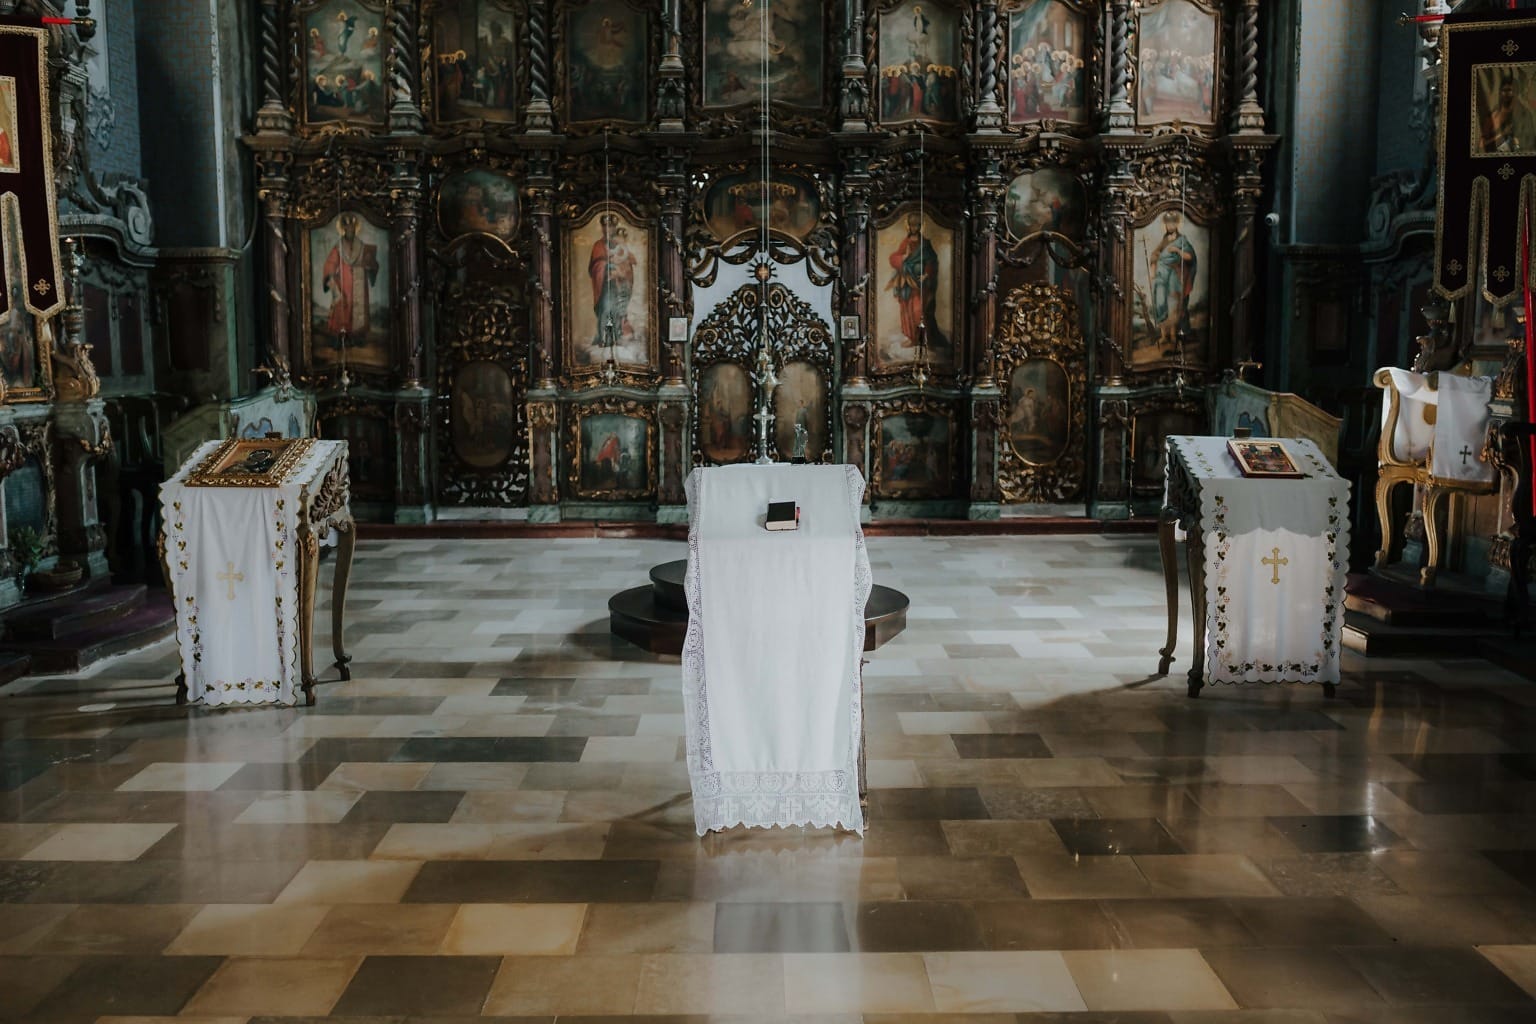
(783, 748)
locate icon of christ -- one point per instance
(915, 283)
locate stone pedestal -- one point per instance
(83, 438)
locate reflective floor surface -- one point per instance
(492, 820)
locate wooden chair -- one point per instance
(1404, 456)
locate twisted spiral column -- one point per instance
(989, 116)
(272, 116)
(404, 112)
(1249, 116)
(1120, 115)
(540, 117)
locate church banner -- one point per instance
(26, 165)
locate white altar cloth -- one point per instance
(1445, 424)
(1256, 531)
(232, 554)
(771, 659)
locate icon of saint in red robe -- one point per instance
(350, 271)
(611, 267)
(915, 283)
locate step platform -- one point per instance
(73, 630)
(655, 617)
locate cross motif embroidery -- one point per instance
(1275, 563)
(1502, 274)
(42, 287)
(1454, 266)
(1506, 172)
(231, 577)
(1465, 454)
(1510, 47)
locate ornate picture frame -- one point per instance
(1048, 77)
(341, 46)
(915, 448)
(900, 301)
(1173, 85)
(608, 262)
(599, 44)
(354, 278)
(469, 82)
(919, 69)
(1042, 369)
(605, 440)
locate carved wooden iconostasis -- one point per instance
(515, 245)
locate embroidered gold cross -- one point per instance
(1275, 563)
(231, 577)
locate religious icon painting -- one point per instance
(482, 420)
(24, 363)
(1045, 201)
(915, 455)
(735, 206)
(800, 400)
(475, 62)
(725, 413)
(1503, 110)
(1176, 64)
(609, 310)
(614, 455)
(1047, 66)
(370, 452)
(479, 202)
(736, 37)
(346, 265)
(1149, 443)
(1039, 411)
(343, 49)
(10, 143)
(1171, 295)
(915, 315)
(919, 58)
(606, 47)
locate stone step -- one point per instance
(152, 621)
(1403, 604)
(13, 667)
(1374, 638)
(71, 618)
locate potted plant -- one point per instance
(26, 552)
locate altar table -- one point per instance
(241, 563)
(1267, 564)
(772, 655)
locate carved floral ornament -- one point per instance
(1041, 364)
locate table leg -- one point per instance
(1167, 548)
(863, 731)
(1194, 551)
(165, 570)
(309, 570)
(346, 541)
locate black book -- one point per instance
(783, 515)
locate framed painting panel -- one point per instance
(734, 38)
(609, 306)
(607, 55)
(734, 205)
(1149, 434)
(370, 449)
(801, 401)
(347, 286)
(475, 61)
(1039, 411)
(1047, 201)
(613, 451)
(725, 413)
(1176, 63)
(915, 313)
(916, 455)
(1048, 43)
(24, 341)
(919, 58)
(482, 419)
(479, 202)
(10, 141)
(343, 46)
(1503, 115)
(1171, 311)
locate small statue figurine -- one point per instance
(802, 439)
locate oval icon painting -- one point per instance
(478, 203)
(1046, 200)
(482, 416)
(735, 205)
(1039, 411)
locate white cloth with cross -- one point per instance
(1444, 419)
(233, 558)
(1276, 557)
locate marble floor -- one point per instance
(492, 820)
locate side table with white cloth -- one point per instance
(772, 654)
(242, 559)
(1267, 565)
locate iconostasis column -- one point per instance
(543, 408)
(411, 401)
(671, 87)
(672, 411)
(273, 192)
(989, 115)
(80, 424)
(986, 202)
(1250, 146)
(857, 277)
(853, 100)
(405, 109)
(1111, 489)
(273, 115)
(1120, 117)
(539, 117)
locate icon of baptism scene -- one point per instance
(1047, 75)
(344, 62)
(349, 291)
(476, 61)
(1177, 64)
(760, 511)
(739, 38)
(606, 41)
(919, 58)
(914, 305)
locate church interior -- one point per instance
(1153, 382)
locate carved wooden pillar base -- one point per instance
(83, 438)
(985, 498)
(413, 438)
(543, 457)
(672, 412)
(12, 455)
(1112, 487)
(856, 438)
